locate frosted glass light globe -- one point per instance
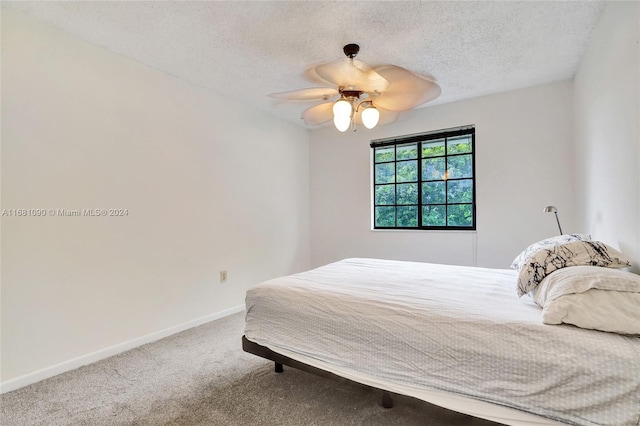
(370, 117)
(342, 123)
(342, 108)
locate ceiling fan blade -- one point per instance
(318, 114)
(407, 89)
(350, 74)
(313, 93)
(387, 117)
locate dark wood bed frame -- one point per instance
(281, 360)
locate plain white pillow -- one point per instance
(591, 297)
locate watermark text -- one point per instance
(65, 212)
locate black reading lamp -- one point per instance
(551, 209)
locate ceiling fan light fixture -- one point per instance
(393, 88)
(370, 116)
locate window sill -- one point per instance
(428, 231)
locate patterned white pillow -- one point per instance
(540, 263)
(547, 244)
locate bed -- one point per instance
(459, 337)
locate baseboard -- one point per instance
(72, 364)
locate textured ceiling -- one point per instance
(250, 49)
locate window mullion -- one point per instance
(395, 185)
(420, 225)
(446, 181)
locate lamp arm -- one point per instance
(558, 220)
(361, 103)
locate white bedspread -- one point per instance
(451, 328)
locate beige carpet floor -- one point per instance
(202, 377)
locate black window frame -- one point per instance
(445, 134)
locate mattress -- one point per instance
(418, 328)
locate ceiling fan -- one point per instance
(367, 95)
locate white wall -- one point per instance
(607, 120)
(523, 163)
(209, 184)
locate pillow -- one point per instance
(591, 297)
(540, 263)
(547, 243)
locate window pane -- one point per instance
(460, 191)
(433, 169)
(408, 151)
(460, 166)
(433, 148)
(408, 193)
(385, 194)
(408, 216)
(460, 215)
(459, 145)
(385, 173)
(407, 171)
(433, 216)
(385, 154)
(385, 216)
(433, 193)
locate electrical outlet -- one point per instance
(223, 276)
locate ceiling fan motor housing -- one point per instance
(351, 93)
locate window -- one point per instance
(425, 181)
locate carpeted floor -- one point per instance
(202, 377)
